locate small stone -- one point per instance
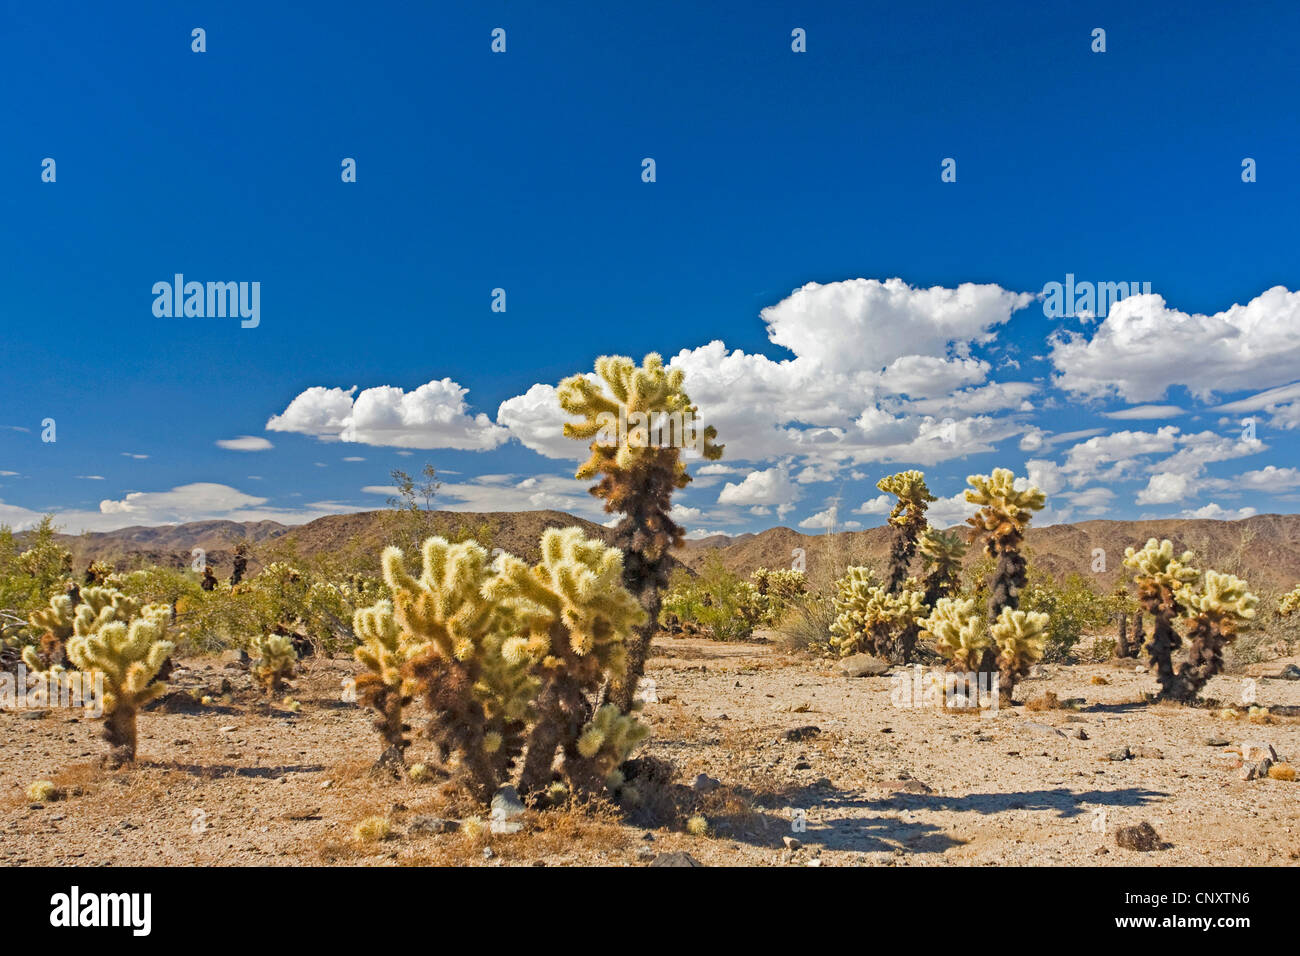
(705, 784)
(227, 729)
(326, 784)
(802, 733)
(803, 765)
(1290, 672)
(1079, 733)
(33, 715)
(1122, 754)
(791, 843)
(428, 824)
(506, 804)
(1041, 728)
(677, 858)
(1037, 672)
(1150, 753)
(1256, 770)
(645, 854)
(815, 861)
(1139, 669)
(1253, 751)
(487, 853)
(863, 665)
(1216, 742)
(1142, 837)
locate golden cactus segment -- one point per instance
(1290, 603)
(959, 632)
(609, 739)
(1020, 636)
(1223, 600)
(942, 549)
(912, 493)
(578, 587)
(1156, 565)
(274, 658)
(1004, 510)
(633, 400)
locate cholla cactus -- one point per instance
(98, 573)
(777, 590)
(53, 626)
(571, 617)
(1289, 604)
(870, 619)
(113, 636)
(619, 406)
(1004, 514)
(1162, 579)
(274, 658)
(1215, 614)
(906, 519)
(1020, 637)
(608, 740)
(386, 687)
(479, 701)
(942, 552)
(959, 632)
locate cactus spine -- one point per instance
(637, 478)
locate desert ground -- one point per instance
(760, 741)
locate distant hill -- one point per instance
(1264, 548)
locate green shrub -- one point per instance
(1073, 608)
(718, 603)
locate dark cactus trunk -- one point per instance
(1122, 648)
(119, 731)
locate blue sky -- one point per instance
(914, 339)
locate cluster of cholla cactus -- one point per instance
(1161, 578)
(451, 649)
(942, 553)
(117, 640)
(620, 406)
(572, 618)
(507, 659)
(962, 634)
(274, 660)
(777, 590)
(1290, 603)
(1215, 607)
(906, 521)
(1215, 612)
(871, 619)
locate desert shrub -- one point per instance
(31, 572)
(717, 603)
(778, 590)
(1073, 607)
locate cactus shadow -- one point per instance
(218, 771)
(1065, 802)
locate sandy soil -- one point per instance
(232, 783)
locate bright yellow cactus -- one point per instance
(912, 493)
(1004, 510)
(1021, 637)
(449, 646)
(1162, 580)
(869, 619)
(608, 740)
(959, 632)
(1290, 603)
(1216, 611)
(117, 640)
(622, 407)
(274, 658)
(571, 618)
